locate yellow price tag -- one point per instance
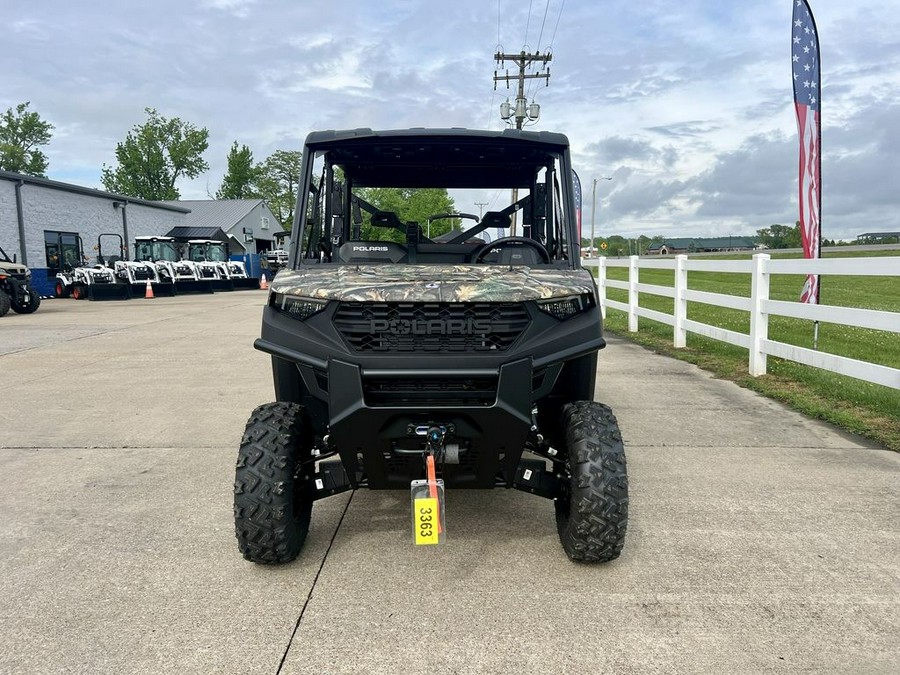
(425, 520)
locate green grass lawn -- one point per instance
(866, 409)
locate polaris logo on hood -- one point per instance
(430, 326)
(370, 249)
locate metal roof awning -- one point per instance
(185, 233)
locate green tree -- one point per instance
(617, 246)
(154, 156)
(642, 243)
(410, 204)
(21, 134)
(276, 181)
(780, 236)
(238, 182)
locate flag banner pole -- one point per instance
(807, 76)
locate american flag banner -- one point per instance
(577, 181)
(807, 98)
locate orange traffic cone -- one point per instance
(148, 293)
(263, 284)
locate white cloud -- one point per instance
(688, 106)
(240, 8)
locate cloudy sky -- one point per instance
(686, 105)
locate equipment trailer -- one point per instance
(403, 361)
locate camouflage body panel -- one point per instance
(431, 283)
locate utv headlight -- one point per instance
(567, 307)
(296, 307)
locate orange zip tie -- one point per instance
(432, 488)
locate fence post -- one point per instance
(633, 293)
(601, 284)
(759, 320)
(680, 301)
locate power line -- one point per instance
(531, 85)
(558, 17)
(494, 93)
(541, 34)
(527, 24)
(549, 49)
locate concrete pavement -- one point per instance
(759, 541)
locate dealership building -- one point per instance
(42, 223)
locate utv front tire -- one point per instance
(5, 303)
(34, 301)
(272, 498)
(592, 512)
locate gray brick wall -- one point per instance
(9, 228)
(46, 208)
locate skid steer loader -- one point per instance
(170, 266)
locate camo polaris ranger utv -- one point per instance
(464, 344)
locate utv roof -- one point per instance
(364, 133)
(448, 158)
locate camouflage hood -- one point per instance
(431, 283)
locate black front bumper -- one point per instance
(377, 404)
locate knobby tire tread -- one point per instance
(593, 517)
(272, 509)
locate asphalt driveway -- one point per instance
(759, 541)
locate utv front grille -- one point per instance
(143, 274)
(429, 391)
(430, 327)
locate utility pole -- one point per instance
(522, 111)
(481, 206)
(594, 208)
(522, 60)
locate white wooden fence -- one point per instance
(759, 305)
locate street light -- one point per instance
(594, 207)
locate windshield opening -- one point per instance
(212, 251)
(437, 201)
(155, 250)
(217, 252)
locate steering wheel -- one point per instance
(510, 242)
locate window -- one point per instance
(264, 222)
(63, 250)
(414, 199)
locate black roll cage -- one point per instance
(374, 157)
